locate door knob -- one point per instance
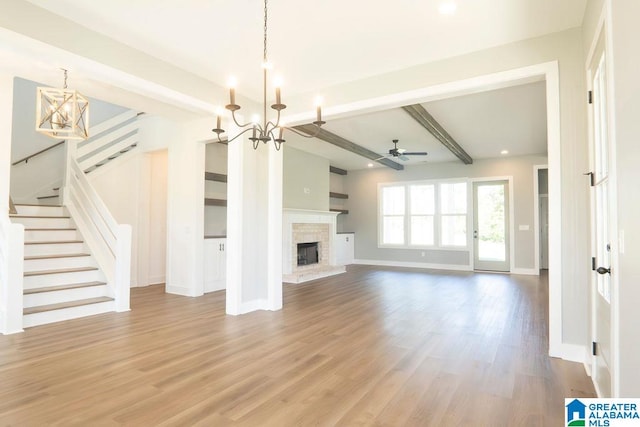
(602, 270)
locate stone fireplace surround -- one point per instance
(306, 226)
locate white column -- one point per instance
(254, 227)
(185, 215)
(12, 246)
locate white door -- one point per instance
(601, 246)
(491, 225)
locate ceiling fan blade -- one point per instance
(417, 153)
(402, 157)
(379, 158)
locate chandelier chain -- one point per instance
(65, 78)
(265, 32)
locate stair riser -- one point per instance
(36, 319)
(57, 279)
(56, 297)
(54, 249)
(43, 222)
(42, 210)
(51, 235)
(58, 263)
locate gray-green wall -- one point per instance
(305, 181)
(362, 187)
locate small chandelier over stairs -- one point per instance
(62, 113)
(267, 130)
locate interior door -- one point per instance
(544, 232)
(601, 289)
(491, 225)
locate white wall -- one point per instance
(305, 181)
(134, 188)
(362, 187)
(157, 217)
(119, 185)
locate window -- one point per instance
(423, 214)
(422, 202)
(393, 204)
(453, 210)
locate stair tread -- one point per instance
(62, 287)
(54, 242)
(63, 305)
(37, 204)
(39, 216)
(55, 256)
(50, 229)
(59, 271)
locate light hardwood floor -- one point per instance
(373, 346)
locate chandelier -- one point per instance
(62, 113)
(267, 130)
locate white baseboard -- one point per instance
(156, 280)
(413, 264)
(179, 290)
(570, 352)
(525, 271)
(255, 305)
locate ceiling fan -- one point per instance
(401, 153)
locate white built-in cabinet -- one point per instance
(345, 248)
(215, 264)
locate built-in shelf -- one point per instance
(337, 171)
(338, 195)
(215, 202)
(342, 211)
(212, 176)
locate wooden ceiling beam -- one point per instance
(345, 144)
(426, 120)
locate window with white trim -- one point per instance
(423, 214)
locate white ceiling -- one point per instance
(317, 45)
(313, 45)
(483, 124)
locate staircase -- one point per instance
(61, 278)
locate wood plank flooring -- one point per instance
(374, 346)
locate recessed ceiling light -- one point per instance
(447, 7)
(369, 165)
(504, 152)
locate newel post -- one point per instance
(12, 294)
(123, 267)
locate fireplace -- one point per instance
(307, 245)
(307, 253)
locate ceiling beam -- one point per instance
(337, 170)
(422, 116)
(345, 144)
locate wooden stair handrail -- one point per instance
(26, 159)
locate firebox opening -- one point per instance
(307, 253)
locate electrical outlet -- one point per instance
(422, 254)
(307, 190)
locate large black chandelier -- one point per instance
(264, 131)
